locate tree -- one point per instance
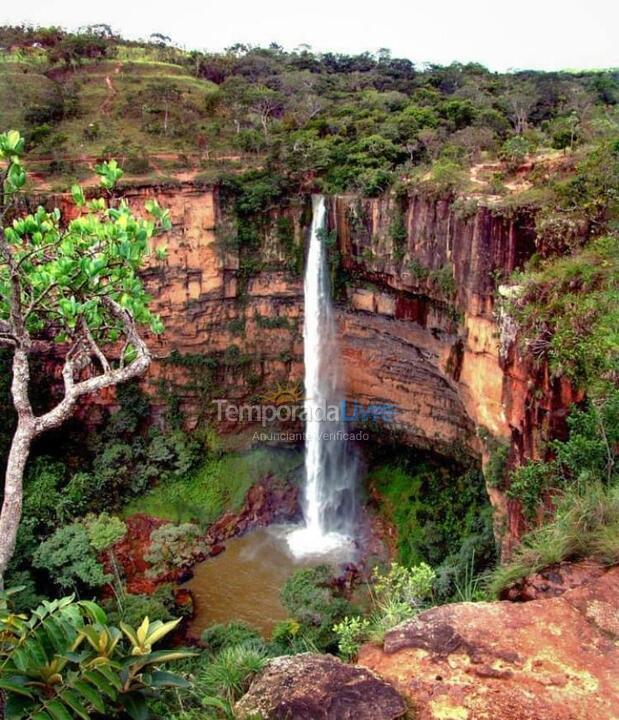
(162, 93)
(77, 285)
(521, 99)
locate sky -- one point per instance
(519, 34)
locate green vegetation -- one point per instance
(397, 594)
(576, 491)
(218, 486)
(172, 547)
(43, 675)
(75, 282)
(568, 312)
(442, 517)
(357, 123)
(585, 523)
(316, 603)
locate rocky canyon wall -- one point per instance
(418, 277)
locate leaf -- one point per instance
(90, 695)
(95, 612)
(15, 687)
(58, 711)
(158, 631)
(101, 683)
(161, 678)
(72, 699)
(78, 195)
(160, 656)
(135, 705)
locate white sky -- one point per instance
(540, 34)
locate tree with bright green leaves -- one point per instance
(75, 284)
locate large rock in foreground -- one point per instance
(549, 659)
(319, 687)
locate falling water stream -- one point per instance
(243, 582)
(330, 467)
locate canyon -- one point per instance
(418, 319)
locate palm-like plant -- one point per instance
(65, 662)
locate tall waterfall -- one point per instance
(331, 471)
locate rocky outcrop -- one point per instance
(553, 658)
(553, 581)
(319, 687)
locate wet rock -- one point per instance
(553, 658)
(267, 502)
(319, 687)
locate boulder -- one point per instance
(319, 687)
(553, 581)
(554, 658)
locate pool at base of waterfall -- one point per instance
(243, 583)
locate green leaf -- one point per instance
(15, 687)
(95, 612)
(58, 711)
(135, 705)
(90, 695)
(72, 699)
(101, 683)
(161, 678)
(78, 195)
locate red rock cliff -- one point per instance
(418, 329)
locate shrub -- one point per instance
(227, 676)
(311, 598)
(351, 632)
(43, 676)
(70, 559)
(173, 547)
(130, 608)
(219, 637)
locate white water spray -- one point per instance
(330, 466)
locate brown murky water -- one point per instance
(243, 582)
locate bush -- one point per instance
(442, 517)
(312, 598)
(70, 559)
(131, 609)
(351, 632)
(173, 547)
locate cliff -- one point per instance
(418, 278)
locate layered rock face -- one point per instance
(418, 322)
(550, 658)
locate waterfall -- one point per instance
(330, 464)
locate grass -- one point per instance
(568, 312)
(586, 524)
(219, 486)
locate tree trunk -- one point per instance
(13, 493)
